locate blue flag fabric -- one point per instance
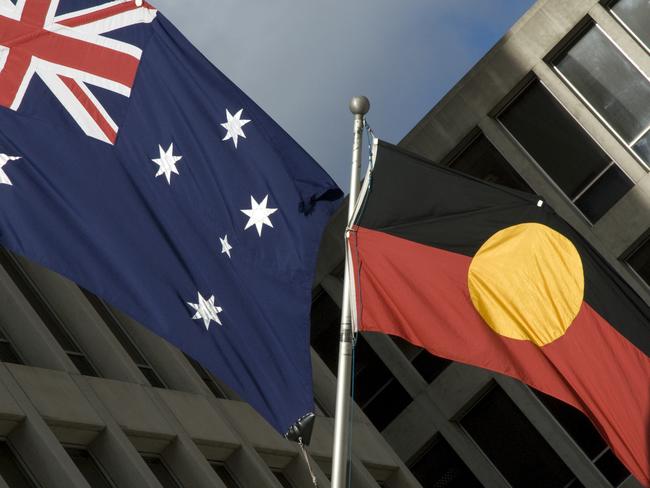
(131, 165)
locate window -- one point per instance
(612, 86)
(120, 334)
(587, 437)
(481, 159)
(45, 312)
(377, 391)
(428, 365)
(635, 17)
(284, 481)
(639, 260)
(7, 352)
(207, 378)
(159, 469)
(325, 328)
(11, 470)
(513, 445)
(438, 465)
(91, 470)
(224, 473)
(579, 167)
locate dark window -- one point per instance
(325, 327)
(582, 431)
(611, 84)
(605, 191)
(565, 152)
(7, 352)
(482, 160)
(377, 391)
(159, 469)
(282, 479)
(207, 378)
(635, 15)
(124, 339)
(12, 470)
(437, 465)
(640, 260)
(513, 445)
(91, 470)
(226, 476)
(45, 312)
(429, 366)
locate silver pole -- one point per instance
(359, 106)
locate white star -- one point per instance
(4, 159)
(258, 215)
(206, 310)
(233, 126)
(167, 162)
(225, 245)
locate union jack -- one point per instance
(69, 52)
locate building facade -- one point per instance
(559, 107)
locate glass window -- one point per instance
(207, 378)
(325, 326)
(224, 473)
(513, 445)
(639, 260)
(603, 193)
(429, 366)
(7, 352)
(635, 16)
(45, 312)
(377, 391)
(91, 470)
(482, 160)
(552, 137)
(284, 481)
(11, 470)
(610, 83)
(123, 338)
(582, 431)
(159, 469)
(438, 465)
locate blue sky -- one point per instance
(302, 61)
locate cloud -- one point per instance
(302, 61)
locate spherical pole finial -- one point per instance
(359, 105)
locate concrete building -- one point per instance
(559, 107)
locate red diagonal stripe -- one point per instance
(90, 107)
(35, 12)
(81, 55)
(12, 75)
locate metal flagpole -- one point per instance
(359, 106)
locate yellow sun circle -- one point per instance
(527, 283)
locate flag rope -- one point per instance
(304, 453)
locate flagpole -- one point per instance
(359, 106)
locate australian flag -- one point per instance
(131, 165)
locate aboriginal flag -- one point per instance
(492, 277)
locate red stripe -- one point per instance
(11, 77)
(91, 108)
(35, 12)
(420, 293)
(66, 51)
